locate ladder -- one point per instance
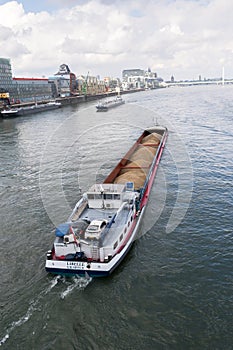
(95, 252)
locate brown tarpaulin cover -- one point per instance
(146, 153)
(141, 159)
(137, 176)
(152, 138)
(139, 163)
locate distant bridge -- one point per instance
(200, 82)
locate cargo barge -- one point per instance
(105, 106)
(105, 221)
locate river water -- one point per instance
(174, 289)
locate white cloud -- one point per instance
(183, 38)
(9, 45)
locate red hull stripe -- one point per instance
(151, 180)
(127, 237)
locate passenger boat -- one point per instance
(105, 221)
(105, 106)
(19, 111)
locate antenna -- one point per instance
(223, 77)
(155, 120)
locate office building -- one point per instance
(22, 89)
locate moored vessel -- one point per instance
(105, 221)
(37, 108)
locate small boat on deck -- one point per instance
(106, 105)
(105, 221)
(37, 108)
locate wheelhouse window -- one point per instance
(108, 196)
(90, 196)
(117, 196)
(98, 196)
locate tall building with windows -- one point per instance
(31, 89)
(5, 75)
(22, 89)
(132, 73)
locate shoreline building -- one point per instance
(112, 83)
(22, 89)
(90, 85)
(31, 90)
(63, 83)
(140, 79)
(5, 74)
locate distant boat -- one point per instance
(15, 112)
(105, 221)
(105, 106)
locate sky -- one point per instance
(181, 38)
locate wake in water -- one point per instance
(78, 283)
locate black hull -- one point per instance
(28, 110)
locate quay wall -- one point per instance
(78, 99)
(86, 98)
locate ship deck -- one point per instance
(106, 214)
(97, 214)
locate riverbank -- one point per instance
(77, 99)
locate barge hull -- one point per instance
(125, 169)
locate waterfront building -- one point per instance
(5, 75)
(112, 83)
(132, 73)
(140, 79)
(5, 81)
(95, 86)
(90, 85)
(31, 89)
(133, 79)
(22, 89)
(63, 83)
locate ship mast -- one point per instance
(223, 77)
